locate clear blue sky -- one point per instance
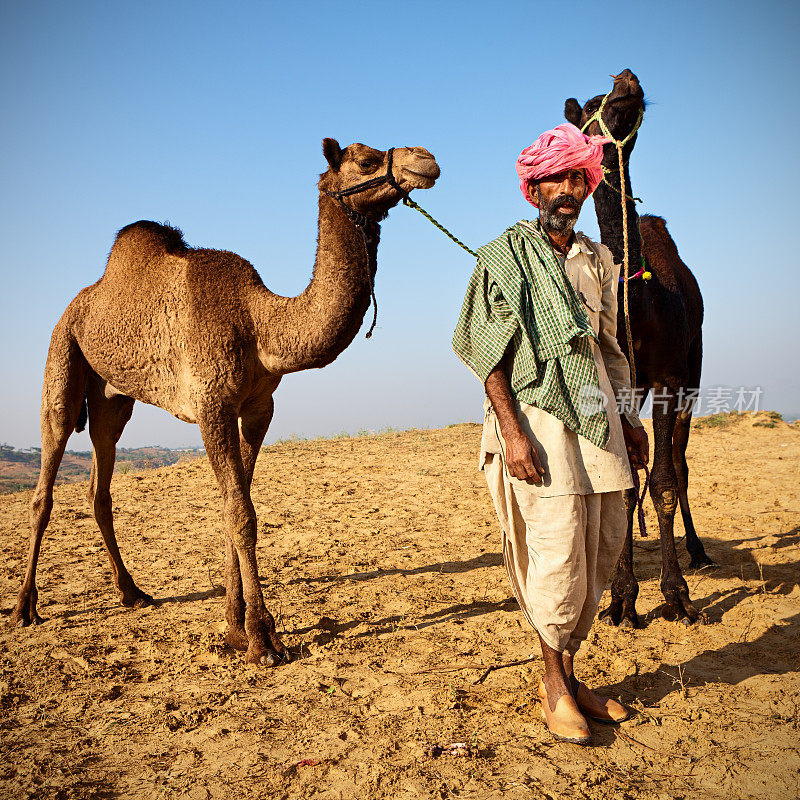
(210, 116)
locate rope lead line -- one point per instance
(598, 115)
(412, 204)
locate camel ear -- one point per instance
(332, 153)
(573, 112)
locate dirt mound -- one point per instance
(752, 419)
(380, 558)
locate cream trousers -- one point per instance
(559, 553)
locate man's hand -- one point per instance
(522, 460)
(636, 443)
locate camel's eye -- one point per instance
(367, 165)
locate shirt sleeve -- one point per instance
(485, 326)
(616, 364)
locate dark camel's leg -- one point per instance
(107, 420)
(624, 586)
(680, 440)
(252, 430)
(219, 427)
(664, 493)
(65, 377)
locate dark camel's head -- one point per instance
(621, 110)
(412, 168)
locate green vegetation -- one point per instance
(716, 420)
(771, 418)
(763, 419)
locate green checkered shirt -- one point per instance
(520, 299)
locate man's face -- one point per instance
(560, 198)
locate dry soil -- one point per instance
(380, 558)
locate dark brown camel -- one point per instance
(196, 332)
(666, 315)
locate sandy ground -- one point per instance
(380, 558)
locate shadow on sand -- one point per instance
(443, 567)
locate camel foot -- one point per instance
(620, 614)
(265, 649)
(134, 597)
(236, 638)
(701, 562)
(23, 618)
(25, 613)
(268, 657)
(679, 608)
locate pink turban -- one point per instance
(564, 147)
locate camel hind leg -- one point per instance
(664, 494)
(107, 419)
(680, 440)
(65, 376)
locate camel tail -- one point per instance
(83, 416)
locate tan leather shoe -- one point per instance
(600, 709)
(565, 722)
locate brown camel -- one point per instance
(666, 316)
(196, 332)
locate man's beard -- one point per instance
(557, 221)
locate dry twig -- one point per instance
(503, 666)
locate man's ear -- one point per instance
(573, 112)
(332, 153)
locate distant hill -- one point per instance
(19, 469)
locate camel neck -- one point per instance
(608, 207)
(318, 324)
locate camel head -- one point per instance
(621, 111)
(350, 167)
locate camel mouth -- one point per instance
(424, 176)
(629, 95)
(633, 98)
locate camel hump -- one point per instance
(652, 221)
(145, 235)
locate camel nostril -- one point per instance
(627, 80)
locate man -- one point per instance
(538, 328)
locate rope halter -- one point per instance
(620, 144)
(388, 177)
(361, 220)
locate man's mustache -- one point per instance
(565, 200)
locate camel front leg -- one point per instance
(253, 425)
(621, 610)
(219, 428)
(664, 493)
